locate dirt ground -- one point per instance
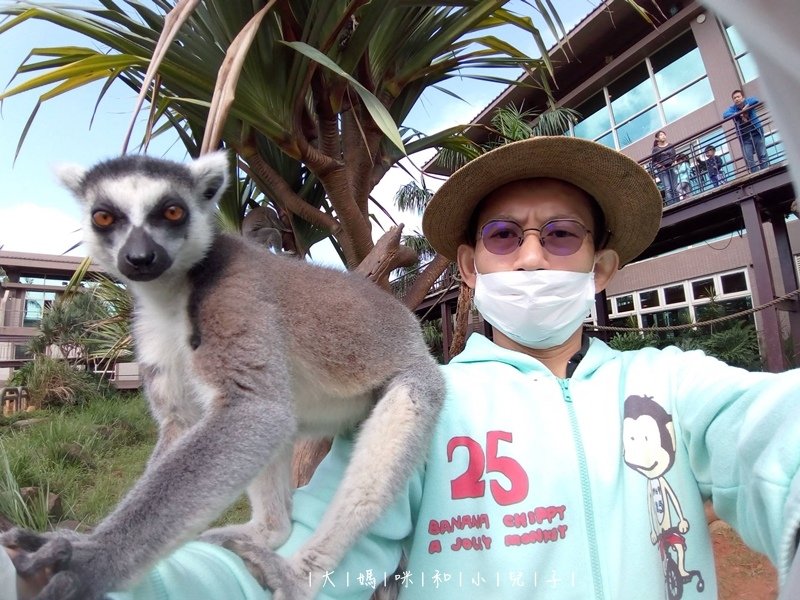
(741, 573)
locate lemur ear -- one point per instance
(71, 177)
(210, 173)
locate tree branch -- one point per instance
(425, 280)
(259, 169)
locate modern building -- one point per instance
(32, 284)
(628, 78)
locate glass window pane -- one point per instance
(737, 44)
(679, 73)
(703, 288)
(624, 303)
(607, 140)
(609, 306)
(631, 93)
(666, 318)
(21, 352)
(677, 64)
(775, 150)
(33, 313)
(688, 100)
(733, 282)
(638, 127)
(649, 299)
(629, 322)
(748, 68)
(729, 307)
(596, 119)
(674, 294)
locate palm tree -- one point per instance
(64, 325)
(307, 93)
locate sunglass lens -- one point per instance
(563, 238)
(501, 237)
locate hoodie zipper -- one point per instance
(586, 491)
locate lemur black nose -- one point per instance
(141, 259)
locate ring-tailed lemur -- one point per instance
(241, 350)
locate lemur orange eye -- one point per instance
(174, 213)
(102, 218)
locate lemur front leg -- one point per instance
(170, 426)
(270, 496)
(179, 495)
(391, 443)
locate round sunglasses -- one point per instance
(560, 237)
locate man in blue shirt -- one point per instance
(748, 126)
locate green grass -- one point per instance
(90, 454)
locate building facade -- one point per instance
(31, 285)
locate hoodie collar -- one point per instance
(480, 349)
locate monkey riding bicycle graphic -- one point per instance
(668, 542)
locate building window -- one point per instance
(674, 294)
(703, 288)
(649, 299)
(744, 60)
(35, 304)
(663, 88)
(596, 120)
(21, 352)
(733, 282)
(625, 303)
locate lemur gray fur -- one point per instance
(241, 351)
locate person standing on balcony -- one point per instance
(749, 128)
(714, 166)
(663, 159)
(683, 173)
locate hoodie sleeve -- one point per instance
(742, 433)
(375, 557)
(202, 570)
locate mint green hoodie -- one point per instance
(553, 488)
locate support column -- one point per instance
(763, 290)
(447, 330)
(601, 310)
(789, 280)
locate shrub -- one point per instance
(52, 382)
(633, 340)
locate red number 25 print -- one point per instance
(471, 484)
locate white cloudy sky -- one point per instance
(37, 215)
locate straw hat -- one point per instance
(626, 193)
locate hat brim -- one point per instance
(625, 192)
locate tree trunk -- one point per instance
(425, 280)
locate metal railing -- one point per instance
(732, 166)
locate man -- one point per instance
(526, 491)
(748, 126)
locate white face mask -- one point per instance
(538, 309)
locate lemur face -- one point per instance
(143, 217)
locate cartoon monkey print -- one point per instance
(648, 435)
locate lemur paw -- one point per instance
(273, 571)
(246, 533)
(69, 560)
